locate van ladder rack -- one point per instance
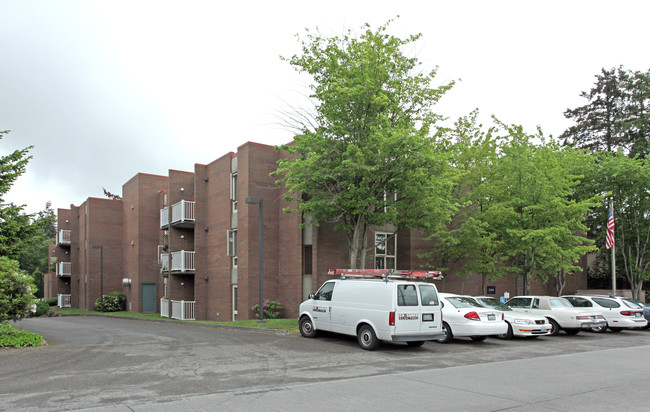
(387, 274)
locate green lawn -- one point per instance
(290, 325)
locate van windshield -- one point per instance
(429, 295)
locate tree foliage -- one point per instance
(617, 115)
(627, 181)
(16, 298)
(370, 156)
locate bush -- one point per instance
(42, 307)
(271, 309)
(16, 298)
(17, 338)
(51, 301)
(113, 302)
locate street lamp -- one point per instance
(101, 276)
(258, 200)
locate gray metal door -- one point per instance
(148, 297)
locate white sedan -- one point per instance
(620, 313)
(519, 324)
(464, 317)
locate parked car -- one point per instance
(620, 313)
(559, 312)
(375, 305)
(519, 323)
(646, 309)
(463, 316)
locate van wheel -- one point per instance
(449, 336)
(307, 327)
(367, 338)
(415, 343)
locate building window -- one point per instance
(232, 245)
(233, 191)
(385, 251)
(234, 302)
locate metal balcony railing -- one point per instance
(183, 309)
(64, 269)
(64, 237)
(63, 301)
(183, 213)
(164, 218)
(182, 262)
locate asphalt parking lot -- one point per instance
(101, 363)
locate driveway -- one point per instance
(124, 364)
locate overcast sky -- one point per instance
(107, 89)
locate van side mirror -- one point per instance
(312, 296)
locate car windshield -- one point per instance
(493, 304)
(559, 303)
(632, 304)
(463, 302)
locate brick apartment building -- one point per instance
(186, 245)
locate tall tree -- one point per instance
(627, 181)
(370, 156)
(529, 205)
(617, 115)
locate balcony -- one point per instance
(63, 301)
(182, 262)
(182, 215)
(183, 309)
(64, 237)
(64, 269)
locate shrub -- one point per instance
(42, 307)
(271, 309)
(52, 301)
(14, 337)
(113, 302)
(16, 298)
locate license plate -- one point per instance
(638, 315)
(491, 317)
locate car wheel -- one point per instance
(415, 343)
(508, 334)
(307, 327)
(478, 338)
(449, 335)
(616, 329)
(555, 328)
(572, 331)
(599, 329)
(367, 338)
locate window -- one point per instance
(579, 302)
(232, 244)
(559, 303)
(234, 302)
(429, 295)
(233, 191)
(385, 251)
(607, 303)
(407, 295)
(325, 292)
(460, 302)
(519, 302)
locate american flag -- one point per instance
(609, 242)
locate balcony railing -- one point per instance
(164, 308)
(64, 269)
(183, 309)
(164, 218)
(183, 214)
(63, 301)
(64, 237)
(182, 262)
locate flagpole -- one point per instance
(611, 208)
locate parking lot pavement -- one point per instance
(125, 365)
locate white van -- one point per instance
(375, 305)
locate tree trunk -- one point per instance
(560, 282)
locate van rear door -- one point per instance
(408, 313)
(431, 311)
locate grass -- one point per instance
(290, 325)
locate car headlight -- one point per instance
(524, 322)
